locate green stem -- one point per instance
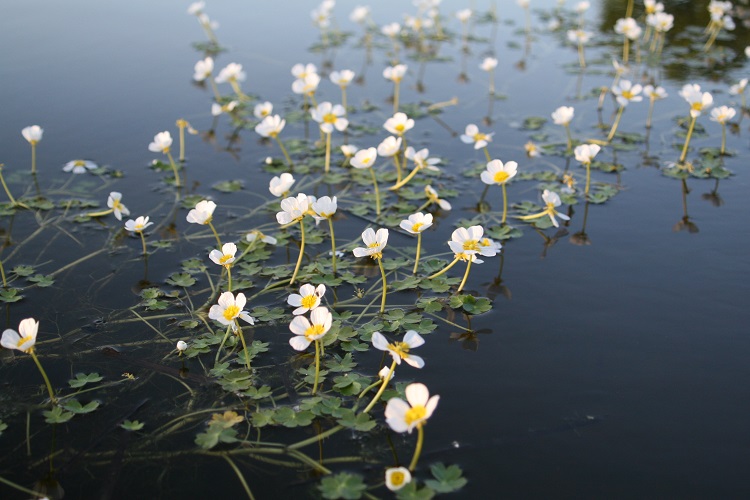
(182, 143)
(581, 58)
(237, 90)
(723, 137)
(239, 476)
(615, 124)
(382, 388)
(229, 278)
(221, 346)
(626, 50)
(301, 251)
(143, 242)
(343, 98)
(216, 235)
(333, 244)
(315, 439)
(44, 376)
(244, 345)
(588, 177)
(385, 286)
(650, 112)
(398, 166)
(444, 269)
(505, 203)
(328, 152)
(284, 151)
(570, 138)
(395, 97)
(317, 366)
(406, 179)
(419, 248)
(100, 214)
(5, 186)
(33, 158)
(418, 448)
(687, 138)
(377, 191)
(466, 275)
(2, 271)
(177, 181)
(214, 87)
(487, 154)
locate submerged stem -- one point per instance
(177, 181)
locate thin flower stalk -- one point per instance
(466, 276)
(445, 269)
(418, 447)
(301, 250)
(5, 187)
(385, 285)
(383, 386)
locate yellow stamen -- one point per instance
(400, 348)
(415, 414)
(500, 176)
(313, 331)
(309, 301)
(416, 226)
(231, 312)
(224, 258)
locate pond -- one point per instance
(600, 356)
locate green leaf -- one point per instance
(533, 122)
(75, 406)
(342, 485)
(23, 270)
(359, 422)
(410, 492)
(10, 295)
(134, 425)
(181, 279)
(214, 435)
(339, 364)
(228, 186)
(83, 379)
(447, 479)
(57, 415)
(3, 426)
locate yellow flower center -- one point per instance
(696, 106)
(400, 348)
(627, 94)
(309, 301)
(329, 118)
(116, 205)
(231, 312)
(471, 245)
(480, 137)
(399, 128)
(79, 163)
(224, 258)
(500, 176)
(485, 242)
(314, 331)
(415, 414)
(22, 341)
(416, 226)
(397, 478)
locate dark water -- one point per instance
(614, 369)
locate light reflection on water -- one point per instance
(610, 360)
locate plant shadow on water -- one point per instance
(198, 335)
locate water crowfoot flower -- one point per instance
(225, 257)
(329, 117)
(294, 210)
(203, 214)
(375, 242)
(79, 166)
(739, 89)
(281, 184)
(631, 31)
(310, 331)
(325, 208)
(654, 94)
(365, 159)
(698, 102)
(233, 74)
(138, 226)
(161, 144)
(416, 224)
(227, 312)
(421, 161)
(497, 173)
(271, 126)
(434, 197)
(390, 147)
(307, 299)
(342, 78)
(472, 135)
(563, 116)
(24, 340)
(33, 134)
(585, 153)
(625, 92)
(203, 70)
(115, 206)
(397, 477)
(580, 37)
(722, 115)
(395, 74)
(404, 416)
(552, 201)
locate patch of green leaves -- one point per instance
(342, 485)
(82, 379)
(75, 406)
(447, 479)
(57, 415)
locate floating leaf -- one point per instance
(75, 406)
(133, 425)
(342, 485)
(181, 279)
(57, 415)
(83, 379)
(447, 479)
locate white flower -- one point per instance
(232, 72)
(416, 223)
(383, 374)
(359, 14)
(217, 109)
(497, 173)
(654, 92)
(524, 4)
(307, 299)
(625, 92)
(473, 135)
(552, 200)
(464, 15)
(398, 124)
(747, 51)
(137, 225)
(400, 350)
(349, 150)
(330, 117)
(225, 256)
(307, 85)
(203, 69)
(471, 240)
(364, 158)
(257, 235)
(324, 207)
(342, 78)
(722, 114)
(532, 150)
(698, 100)
(738, 88)
(202, 213)
(307, 331)
(402, 416)
(79, 166)
(271, 126)
(33, 134)
(421, 160)
(392, 30)
(390, 146)
(181, 346)
(263, 109)
(375, 243)
(397, 477)
(196, 8)
(582, 7)
(113, 202)
(293, 209)
(660, 21)
(488, 64)
(628, 27)
(229, 309)
(585, 153)
(161, 143)
(24, 339)
(281, 184)
(652, 6)
(434, 197)
(395, 73)
(563, 115)
(579, 36)
(300, 71)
